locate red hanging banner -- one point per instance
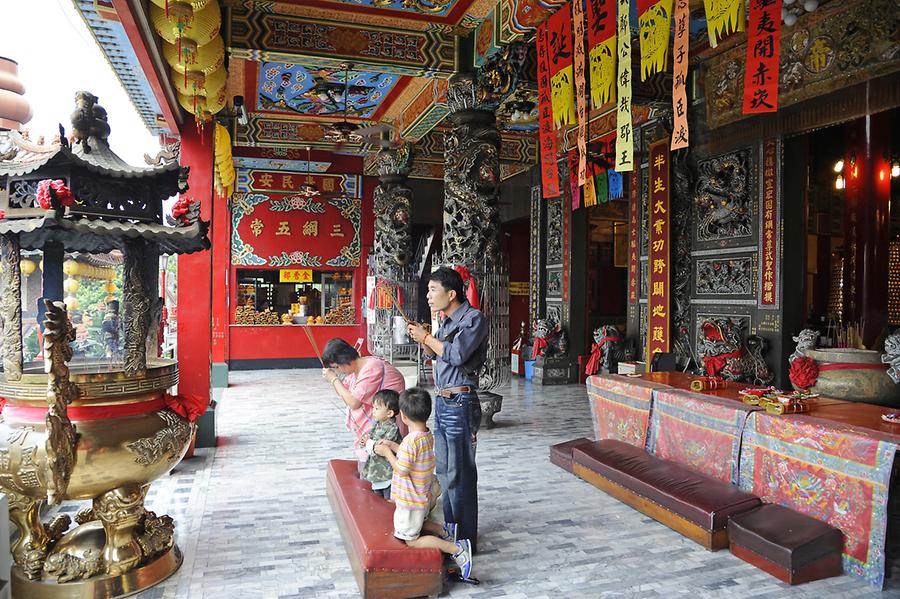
(658, 283)
(562, 75)
(654, 19)
(549, 170)
(633, 241)
(679, 76)
(770, 235)
(763, 53)
(601, 41)
(573, 180)
(580, 89)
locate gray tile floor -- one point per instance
(254, 521)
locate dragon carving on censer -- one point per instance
(722, 352)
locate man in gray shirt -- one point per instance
(459, 349)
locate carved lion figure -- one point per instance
(807, 339)
(892, 356)
(724, 353)
(549, 339)
(69, 567)
(610, 349)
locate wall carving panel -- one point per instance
(724, 202)
(554, 231)
(724, 276)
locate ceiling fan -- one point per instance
(344, 132)
(308, 189)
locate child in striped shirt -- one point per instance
(414, 487)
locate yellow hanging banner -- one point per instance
(722, 18)
(624, 127)
(654, 19)
(590, 192)
(601, 41)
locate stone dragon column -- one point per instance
(393, 198)
(471, 196)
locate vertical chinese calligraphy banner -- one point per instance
(580, 88)
(770, 229)
(658, 262)
(679, 76)
(633, 217)
(654, 17)
(549, 170)
(601, 41)
(724, 17)
(624, 132)
(763, 53)
(562, 78)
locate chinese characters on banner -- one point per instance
(295, 275)
(763, 53)
(654, 17)
(770, 236)
(549, 170)
(590, 190)
(658, 262)
(601, 41)
(724, 17)
(580, 89)
(573, 180)
(562, 81)
(632, 241)
(679, 76)
(624, 128)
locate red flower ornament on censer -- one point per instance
(181, 210)
(53, 188)
(804, 372)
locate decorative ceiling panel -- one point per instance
(310, 91)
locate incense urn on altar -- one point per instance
(854, 375)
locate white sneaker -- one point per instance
(463, 558)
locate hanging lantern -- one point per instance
(207, 58)
(41, 265)
(110, 297)
(70, 267)
(215, 81)
(109, 274)
(191, 83)
(216, 102)
(71, 285)
(181, 21)
(111, 287)
(195, 4)
(184, 52)
(27, 267)
(71, 303)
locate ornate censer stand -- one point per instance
(95, 430)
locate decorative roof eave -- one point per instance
(100, 160)
(99, 236)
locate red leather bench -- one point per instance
(384, 567)
(561, 453)
(687, 501)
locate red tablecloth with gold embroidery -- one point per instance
(620, 407)
(837, 473)
(699, 431)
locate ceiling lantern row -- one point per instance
(195, 52)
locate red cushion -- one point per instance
(370, 520)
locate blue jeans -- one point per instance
(456, 423)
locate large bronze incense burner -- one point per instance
(98, 430)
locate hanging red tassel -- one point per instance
(470, 285)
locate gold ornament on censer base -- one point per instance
(95, 430)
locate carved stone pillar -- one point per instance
(471, 177)
(393, 198)
(11, 307)
(136, 297)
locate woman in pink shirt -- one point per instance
(364, 377)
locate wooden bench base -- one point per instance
(712, 541)
(381, 583)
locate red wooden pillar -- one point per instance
(222, 292)
(195, 270)
(868, 181)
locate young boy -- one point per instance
(414, 488)
(377, 470)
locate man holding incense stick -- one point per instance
(459, 349)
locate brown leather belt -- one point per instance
(451, 391)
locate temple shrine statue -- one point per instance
(93, 429)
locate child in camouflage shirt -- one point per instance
(377, 470)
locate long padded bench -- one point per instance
(384, 567)
(691, 503)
